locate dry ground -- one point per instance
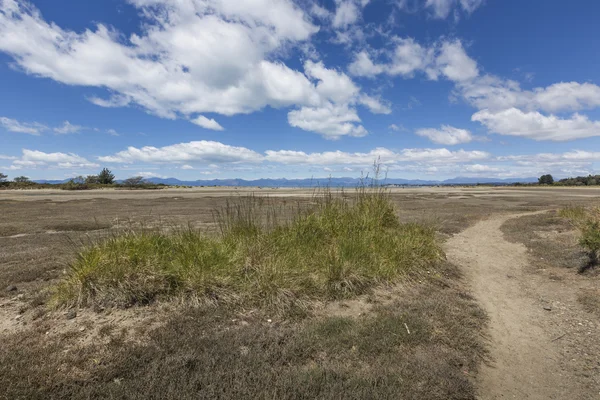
(356, 349)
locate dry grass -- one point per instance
(550, 239)
(207, 353)
(590, 299)
(337, 248)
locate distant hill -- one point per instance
(335, 182)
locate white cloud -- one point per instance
(534, 125)
(454, 63)
(32, 159)
(187, 167)
(147, 175)
(446, 135)
(68, 128)
(320, 12)
(490, 92)
(440, 9)
(112, 132)
(364, 66)
(12, 125)
(397, 128)
(347, 12)
(375, 104)
(331, 84)
(446, 58)
(3, 157)
(168, 71)
(443, 155)
(331, 121)
(385, 155)
(207, 123)
(199, 151)
(222, 73)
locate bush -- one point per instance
(264, 255)
(588, 223)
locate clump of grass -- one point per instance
(588, 223)
(264, 255)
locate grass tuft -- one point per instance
(265, 255)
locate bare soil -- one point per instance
(543, 315)
(534, 320)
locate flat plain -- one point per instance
(508, 317)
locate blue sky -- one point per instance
(201, 89)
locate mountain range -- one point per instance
(335, 182)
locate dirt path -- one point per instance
(525, 359)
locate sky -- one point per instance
(213, 89)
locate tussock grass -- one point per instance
(206, 353)
(264, 255)
(587, 220)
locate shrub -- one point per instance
(3, 177)
(588, 223)
(264, 255)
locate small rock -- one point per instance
(18, 317)
(82, 329)
(244, 323)
(11, 288)
(269, 321)
(71, 314)
(547, 308)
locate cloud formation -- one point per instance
(167, 71)
(446, 135)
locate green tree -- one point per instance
(92, 179)
(134, 181)
(106, 177)
(78, 180)
(3, 177)
(546, 180)
(22, 179)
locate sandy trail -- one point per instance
(525, 361)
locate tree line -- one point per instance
(590, 180)
(104, 178)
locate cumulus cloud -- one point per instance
(347, 12)
(383, 154)
(491, 92)
(446, 58)
(168, 71)
(199, 151)
(12, 125)
(534, 125)
(332, 121)
(32, 159)
(446, 135)
(68, 128)
(207, 123)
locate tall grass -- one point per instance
(265, 254)
(588, 223)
